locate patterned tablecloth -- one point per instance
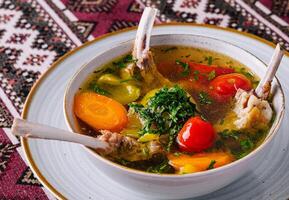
(35, 33)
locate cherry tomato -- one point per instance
(204, 73)
(196, 135)
(205, 69)
(198, 72)
(228, 84)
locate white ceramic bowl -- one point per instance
(188, 185)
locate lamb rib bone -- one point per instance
(252, 108)
(264, 86)
(143, 56)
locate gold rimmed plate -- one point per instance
(66, 169)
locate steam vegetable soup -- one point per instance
(186, 121)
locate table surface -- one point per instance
(35, 33)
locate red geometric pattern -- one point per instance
(190, 3)
(18, 38)
(35, 60)
(105, 13)
(34, 33)
(89, 6)
(14, 168)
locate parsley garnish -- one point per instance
(204, 98)
(246, 144)
(161, 168)
(122, 63)
(94, 87)
(209, 60)
(196, 73)
(211, 165)
(165, 113)
(242, 139)
(230, 134)
(185, 66)
(243, 71)
(211, 75)
(177, 154)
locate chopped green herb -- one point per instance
(128, 59)
(211, 165)
(163, 167)
(209, 60)
(177, 154)
(219, 144)
(122, 161)
(110, 70)
(248, 75)
(246, 144)
(196, 73)
(243, 71)
(186, 70)
(122, 63)
(204, 98)
(119, 64)
(225, 134)
(165, 112)
(242, 140)
(169, 49)
(211, 75)
(94, 87)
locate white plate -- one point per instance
(66, 169)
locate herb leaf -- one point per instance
(246, 144)
(196, 73)
(122, 63)
(211, 165)
(95, 88)
(204, 98)
(241, 141)
(165, 113)
(209, 60)
(184, 65)
(225, 134)
(211, 75)
(161, 168)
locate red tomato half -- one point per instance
(227, 85)
(196, 135)
(205, 69)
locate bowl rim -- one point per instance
(271, 134)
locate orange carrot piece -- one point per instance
(100, 112)
(199, 162)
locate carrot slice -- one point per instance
(100, 112)
(199, 162)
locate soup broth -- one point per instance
(157, 118)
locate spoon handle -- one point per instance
(262, 88)
(27, 129)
